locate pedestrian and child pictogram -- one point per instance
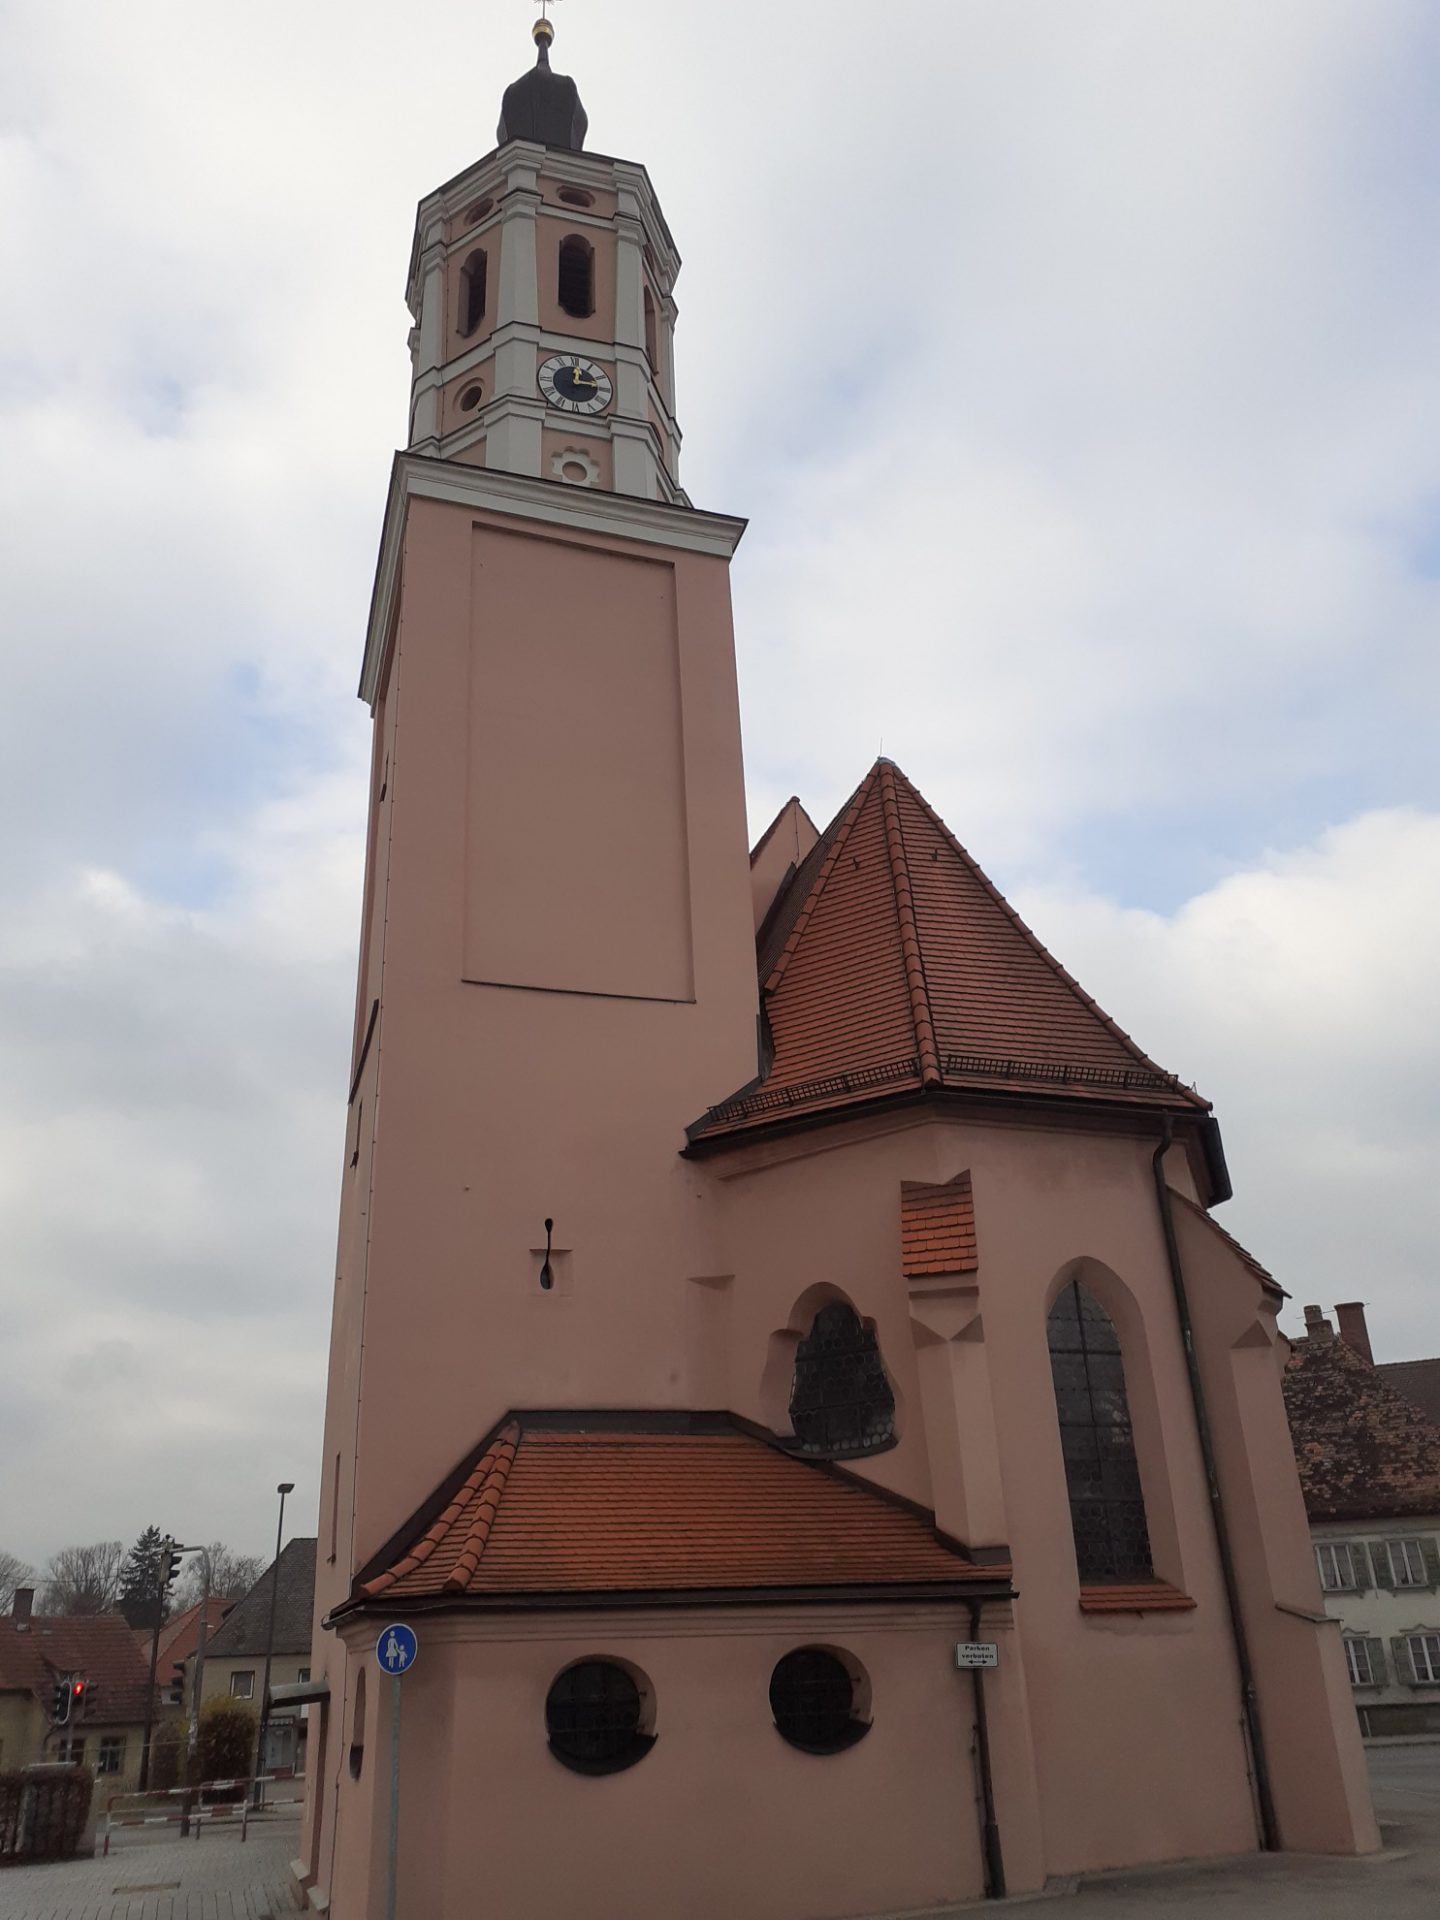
(396, 1649)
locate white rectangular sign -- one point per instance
(976, 1653)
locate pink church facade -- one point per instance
(718, 1345)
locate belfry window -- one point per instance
(1107, 1507)
(840, 1399)
(577, 277)
(472, 291)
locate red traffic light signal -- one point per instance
(78, 1688)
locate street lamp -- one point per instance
(285, 1486)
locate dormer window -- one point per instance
(577, 277)
(472, 291)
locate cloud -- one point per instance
(1300, 994)
(1075, 367)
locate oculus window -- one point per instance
(816, 1698)
(1107, 1508)
(596, 1717)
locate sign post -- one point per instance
(395, 1653)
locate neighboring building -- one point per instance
(37, 1651)
(769, 1271)
(179, 1638)
(235, 1655)
(1369, 1463)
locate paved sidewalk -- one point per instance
(150, 1875)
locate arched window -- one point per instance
(840, 1400)
(1107, 1508)
(577, 276)
(652, 338)
(472, 291)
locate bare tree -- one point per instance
(84, 1579)
(14, 1572)
(231, 1575)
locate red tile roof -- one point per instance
(1418, 1380)
(1364, 1451)
(709, 1507)
(901, 969)
(100, 1646)
(937, 1228)
(1148, 1596)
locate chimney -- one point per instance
(1317, 1327)
(20, 1608)
(1353, 1331)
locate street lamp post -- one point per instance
(285, 1486)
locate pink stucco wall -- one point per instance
(558, 931)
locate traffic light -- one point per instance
(79, 1692)
(171, 1559)
(60, 1702)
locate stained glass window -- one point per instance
(840, 1400)
(1107, 1508)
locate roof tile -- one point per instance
(587, 1511)
(902, 968)
(1364, 1451)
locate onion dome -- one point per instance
(543, 106)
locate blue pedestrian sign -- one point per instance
(396, 1649)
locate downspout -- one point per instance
(1249, 1700)
(989, 1830)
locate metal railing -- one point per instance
(190, 1808)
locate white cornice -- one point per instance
(568, 509)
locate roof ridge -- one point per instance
(492, 1491)
(416, 1556)
(1033, 939)
(802, 919)
(920, 1010)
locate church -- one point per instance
(785, 1369)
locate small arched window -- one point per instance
(1107, 1507)
(652, 337)
(840, 1400)
(577, 277)
(357, 1727)
(472, 291)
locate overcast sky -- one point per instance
(1076, 363)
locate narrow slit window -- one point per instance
(1107, 1507)
(577, 277)
(840, 1399)
(472, 291)
(652, 337)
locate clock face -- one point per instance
(575, 385)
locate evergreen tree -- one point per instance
(140, 1596)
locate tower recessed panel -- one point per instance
(576, 781)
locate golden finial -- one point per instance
(544, 28)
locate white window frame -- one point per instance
(1406, 1560)
(72, 1750)
(1334, 1548)
(1357, 1656)
(112, 1748)
(1424, 1657)
(247, 1692)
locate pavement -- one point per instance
(150, 1876)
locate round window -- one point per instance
(471, 398)
(815, 1698)
(595, 1716)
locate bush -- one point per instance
(43, 1815)
(167, 1755)
(227, 1739)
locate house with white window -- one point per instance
(235, 1656)
(1369, 1461)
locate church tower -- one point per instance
(542, 288)
(775, 1308)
